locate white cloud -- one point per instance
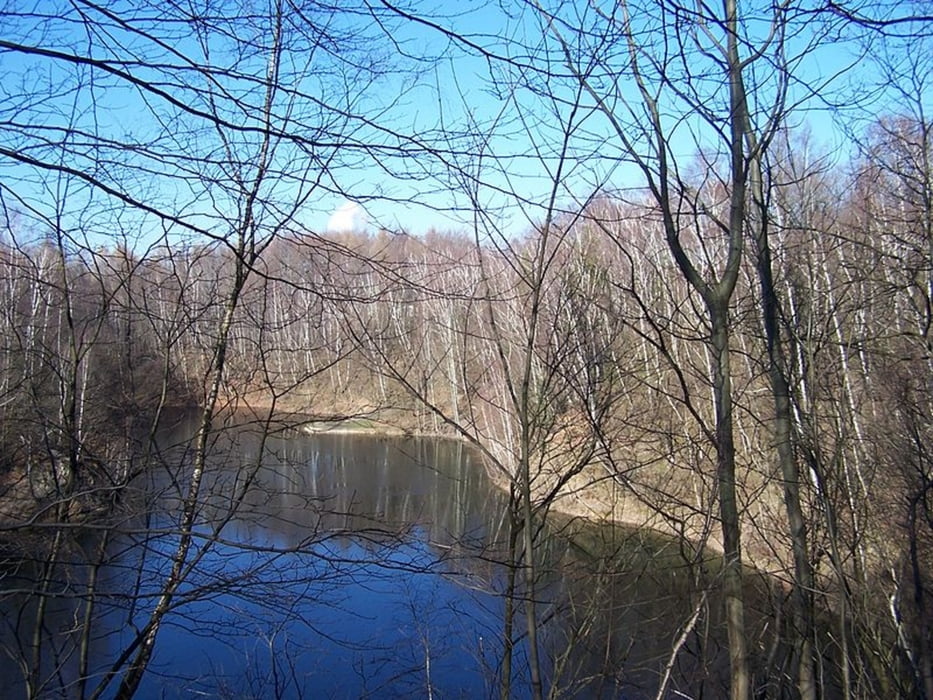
(349, 216)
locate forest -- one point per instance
(663, 264)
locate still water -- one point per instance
(345, 566)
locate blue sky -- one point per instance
(524, 130)
(387, 88)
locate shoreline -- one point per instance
(580, 498)
(573, 504)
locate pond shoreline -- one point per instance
(590, 496)
(578, 500)
(582, 498)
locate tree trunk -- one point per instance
(728, 505)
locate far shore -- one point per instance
(579, 500)
(582, 498)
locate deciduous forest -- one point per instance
(663, 264)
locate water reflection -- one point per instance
(338, 565)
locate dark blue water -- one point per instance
(348, 566)
(384, 621)
(351, 566)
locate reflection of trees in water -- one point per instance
(615, 601)
(318, 516)
(334, 533)
(622, 599)
(344, 484)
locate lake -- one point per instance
(345, 565)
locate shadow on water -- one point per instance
(343, 565)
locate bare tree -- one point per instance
(196, 139)
(650, 146)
